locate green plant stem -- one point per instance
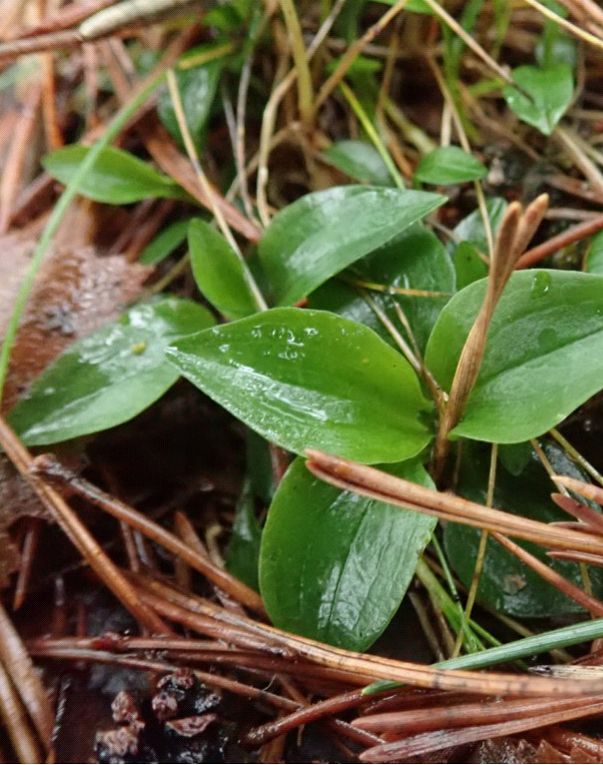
(298, 49)
(518, 649)
(58, 213)
(369, 129)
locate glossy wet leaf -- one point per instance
(307, 379)
(543, 359)
(448, 165)
(547, 94)
(360, 160)
(244, 546)
(414, 260)
(117, 177)
(335, 566)
(169, 239)
(219, 272)
(197, 86)
(110, 376)
(322, 233)
(507, 585)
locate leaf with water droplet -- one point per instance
(108, 377)
(322, 233)
(305, 379)
(543, 359)
(335, 566)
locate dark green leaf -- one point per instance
(548, 93)
(197, 87)
(164, 243)
(110, 376)
(219, 272)
(471, 229)
(506, 585)
(324, 232)
(416, 259)
(117, 177)
(310, 379)
(594, 263)
(244, 547)
(544, 355)
(468, 265)
(335, 566)
(449, 164)
(360, 160)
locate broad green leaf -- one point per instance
(197, 87)
(468, 265)
(164, 243)
(594, 261)
(547, 93)
(117, 177)
(244, 547)
(322, 233)
(544, 356)
(506, 584)
(110, 376)
(219, 272)
(307, 379)
(447, 165)
(360, 160)
(416, 259)
(335, 566)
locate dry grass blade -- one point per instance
(49, 467)
(15, 720)
(183, 608)
(375, 483)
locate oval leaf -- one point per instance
(544, 355)
(324, 232)
(117, 177)
(335, 566)
(449, 164)
(110, 376)
(310, 379)
(360, 160)
(219, 272)
(168, 240)
(547, 93)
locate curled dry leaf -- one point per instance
(76, 292)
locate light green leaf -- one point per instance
(117, 177)
(543, 359)
(594, 261)
(164, 243)
(110, 376)
(547, 93)
(307, 379)
(447, 165)
(324, 232)
(335, 566)
(360, 160)
(219, 272)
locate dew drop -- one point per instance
(541, 284)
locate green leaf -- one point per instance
(506, 584)
(468, 265)
(117, 177)
(594, 261)
(547, 93)
(244, 547)
(322, 233)
(197, 87)
(447, 165)
(164, 243)
(416, 259)
(219, 272)
(360, 160)
(471, 229)
(543, 359)
(335, 566)
(307, 379)
(110, 376)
